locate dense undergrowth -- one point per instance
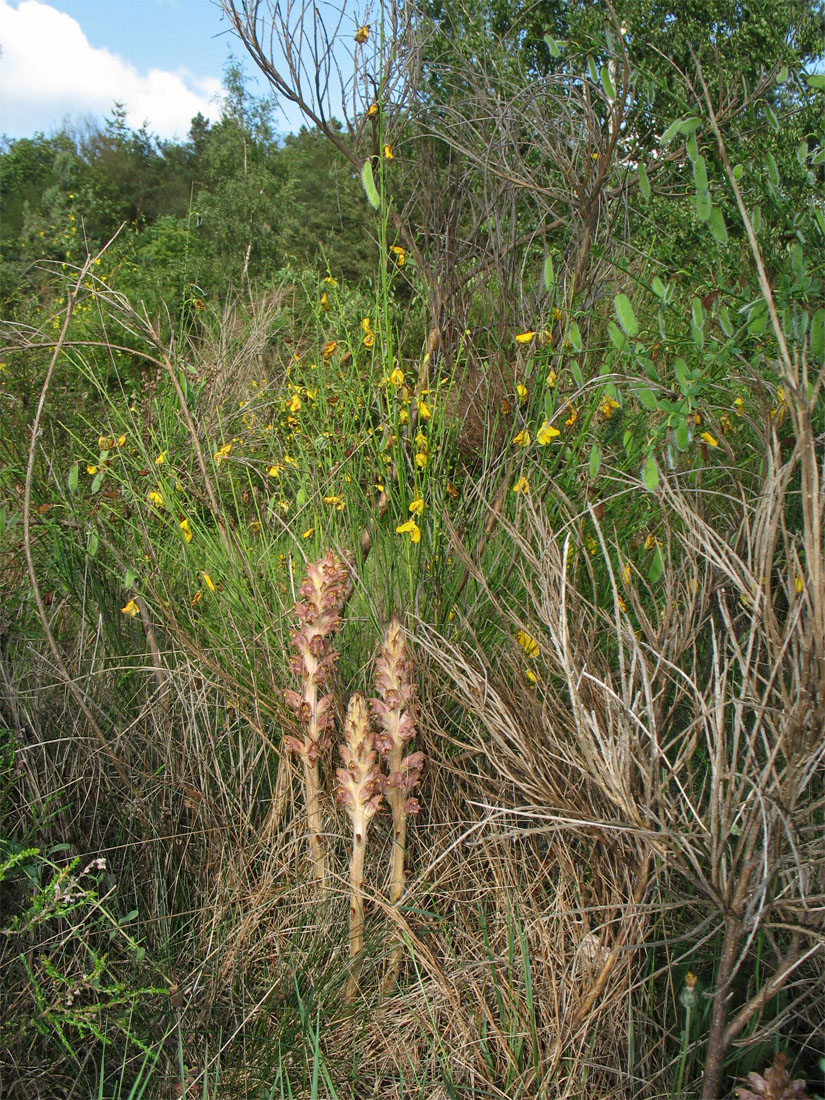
(598, 517)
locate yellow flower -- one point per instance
(572, 418)
(424, 411)
(337, 501)
(709, 439)
(207, 580)
(372, 110)
(798, 584)
(521, 486)
(739, 405)
(105, 443)
(330, 281)
(421, 460)
(121, 439)
(161, 458)
(184, 526)
(650, 542)
(421, 441)
(522, 439)
(329, 350)
(531, 676)
(417, 506)
(156, 498)
(196, 599)
(725, 423)
(222, 453)
(546, 433)
(369, 340)
(295, 404)
(362, 34)
(528, 643)
(399, 253)
(325, 302)
(550, 380)
(397, 377)
(366, 324)
(310, 531)
(626, 573)
(131, 609)
(388, 153)
(622, 604)
(274, 470)
(525, 337)
(410, 528)
(92, 470)
(521, 391)
(607, 406)
(403, 417)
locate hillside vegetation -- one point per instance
(412, 580)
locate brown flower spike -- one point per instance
(359, 788)
(395, 711)
(323, 591)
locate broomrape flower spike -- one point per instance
(323, 592)
(395, 710)
(359, 789)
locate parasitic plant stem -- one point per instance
(395, 711)
(359, 788)
(323, 592)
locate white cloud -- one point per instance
(48, 70)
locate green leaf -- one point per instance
(756, 218)
(595, 460)
(681, 371)
(554, 45)
(647, 398)
(368, 180)
(782, 75)
(700, 175)
(74, 473)
(627, 318)
(698, 311)
(802, 153)
(772, 119)
(575, 337)
(698, 335)
(704, 205)
(92, 544)
(682, 435)
(725, 322)
(816, 80)
(671, 132)
(644, 182)
(657, 566)
(817, 338)
(689, 125)
(758, 320)
(738, 172)
(576, 371)
(129, 579)
(607, 83)
(97, 481)
(549, 273)
(617, 337)
(650, 474)
(692, 149)
(592, 70)
(773, 171)
(657, 286)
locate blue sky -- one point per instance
(163, 59)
